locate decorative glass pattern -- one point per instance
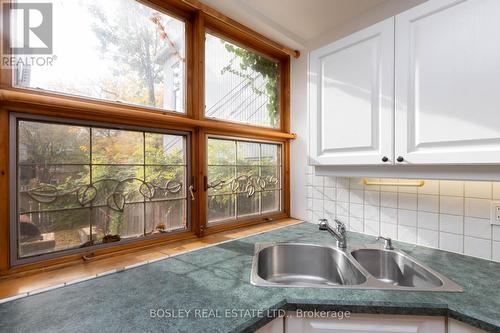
(80, 186)
(244, 178)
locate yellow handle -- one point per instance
(417, 183)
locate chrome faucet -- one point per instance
(387, 242)
(338, 232)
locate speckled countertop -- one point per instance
(213, 283)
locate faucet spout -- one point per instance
(387, 242)
(339, 232)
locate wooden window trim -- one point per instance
(8, 91)
(253, 219)
(283, 67)
(198, 18)
(232, 25)
(14, 130)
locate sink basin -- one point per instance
(326, 266)
(301, 265)
(395, 268)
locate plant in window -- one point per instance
(269, 70)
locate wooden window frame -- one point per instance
(199, 19)
(14, 202)
(243, 221)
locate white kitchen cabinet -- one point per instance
(455, 326)
(275, 326)
(366, 323)
(350, 94)
(447, 79)
(422, 90)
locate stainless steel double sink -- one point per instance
(326, 266)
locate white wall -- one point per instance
(299, 94)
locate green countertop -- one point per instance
(209, 290)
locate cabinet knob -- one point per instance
(385, 159)
(400, 159)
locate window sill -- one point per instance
(16, 286)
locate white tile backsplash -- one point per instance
(450, 187)
(372, 213)
(451, 242)
(356, 224)
(477, 247)
(372, 227)
(451, 223)
(356, 210)
(407, 234)
(430, 187)
(407, 217)
(356, 196)
(428, 203)
(343, 195)
(389, 230)
(496, 232)
(388, 199)
(329, 181)
(478, 190)
(496, 191)
(495, 251)
(342, 182)
(477, 208)
(407, 201)
(450, 215)
(428, 220)
(356, 183)
(475, 227)
(318, 181)
(317, 192)
(342, 209)
(372, 198)
(330, 206)
(329, 193)
(428, 238)
(388, 215)
(318, 205)
(451, 205)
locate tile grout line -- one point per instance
(397, 211)
(439, 213)
(418, 215)
(491, 225)
(463, 219)
(462, 193)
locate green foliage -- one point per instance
(50, 146)
(269, 70)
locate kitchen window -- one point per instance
(244, 179)
(113, 50)
(81, 186)
(157, 121)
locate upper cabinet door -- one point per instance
(448, 83)
(351, 98)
